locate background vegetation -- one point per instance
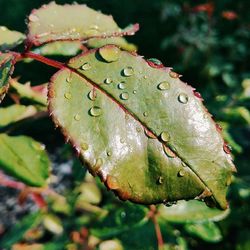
(206, 42)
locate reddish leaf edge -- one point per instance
(206, 194)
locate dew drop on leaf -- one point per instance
(173, 74)
(108, 80)
(155, 63)
(165, 136)
(112, 182)
(181, 173)
(77, 117)
(168, 152)
(145, 114)
(163, 85)
(109, 153)
(160, 180)
(110, 54)
(149, 134)
(121, 85)
(92, 95)
(67, 95)
(183, 98)
(124, 96)
(134, 92)
(86, 66)
(226, 148)
(95, 111)
(128, 71)
(84, 146)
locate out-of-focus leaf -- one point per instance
(237, 114)
(53, 223)
(25, 159)
(15, 113)
(141, 129)
(111, 245)
(79, 23)
(27, 247)
(190, 211)
(208, 231)
(6, 69)
(9, 38)
(16, 233)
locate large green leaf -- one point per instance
(79, 23)
(9, 38)
(142, 130)
(6, 69)
(24, 159)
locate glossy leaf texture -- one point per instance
(25, 159)
(10, 39)
(6, 69)
(79, 23)
(140, 128)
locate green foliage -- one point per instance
(208, 43)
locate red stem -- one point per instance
(43, 59)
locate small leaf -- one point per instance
(142, 130)
(10, 39)
(25, 159)
(79, 23)
(6, 69)
(17, 232)
(15, 113)
(207, 231)
(190, 211)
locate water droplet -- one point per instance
(145, 114)
(145, 77)
(122, 140)
(128, 71)
(163, 85)
(155, 63)
(126, 116)
(160, 180)
(109, 153)
(86, 66)
(108, 80)
(95, 111)
(68, 79)
(173, 74)
(92, 95)
(77, 117)
(149, 134)
(165, 136)
(94, 27)
(121, 85)
(112, 182)
(169, 152)
(134, 92)
(226, 148)
(84, 146)
(33, 18)
(169, 203)
(183, 98)
(138, 129)
(110, 53)
(67, 95)
(98, 164)
(181, 173)
(124, 96)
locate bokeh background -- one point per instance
(205, 41)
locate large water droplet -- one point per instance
(173, 74)
(165, 136)
(86, 66)
(77, 117)
(128, 71)
(108, 80)
(95, 111)
(84, 146)
(124, 96)
(169, 152)
(155, 63)
(110, 53)
(183, 98)
(67, 95)
(121, 85)
(112, 182)
(92, 95)
(163, 85)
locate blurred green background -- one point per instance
(206, 42)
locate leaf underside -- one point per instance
(6, 69)
(140, 128)
(25, 159)
(79, 23)
(10, 39)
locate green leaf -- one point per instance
(207, 231)
(140, 128)
(25, 159)
(190, 211)
(6, 69)
(10, 39)
(15, 113)
(79, 23)
(16, 233)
